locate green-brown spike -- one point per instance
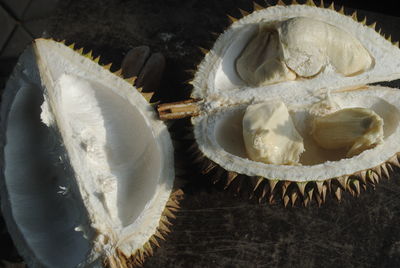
(118, 73)
(230, 177)
(272, 184)
(169, 214)
(294, 2)
(80, 51)
(257, 7)
(107, 66)
(204, 50)
(364, 21)
(373, 25)
(338, 194)
(285, 186)
(72, 46)
(389, 38)
(232, 19)
(147, 95)
(302, 187)
(354, 16)
(293, 198)
(322, 5)
(310, 3)
(320, 185)
(341, 10)
(96, 60)
(89, 55)
(396, 43)
(243, 12)
(332, 6)
(280, 3)
(131, 80)
(286, 200)
(259, 181)
(343, 181)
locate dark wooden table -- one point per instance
(217, 228)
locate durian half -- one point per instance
(299, 62)
(88, 169)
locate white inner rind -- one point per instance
(120, 153)
(130, 235)
(219, 136)
(41, 214)
(217, 81)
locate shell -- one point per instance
(225, 89)
(77, 187)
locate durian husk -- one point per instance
(137, 259)
(119, 259)
(274, 190)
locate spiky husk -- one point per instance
(273, 190)
(137, 258)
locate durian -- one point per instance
(88, 170)
(319, 63)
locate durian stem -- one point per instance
(178, 110)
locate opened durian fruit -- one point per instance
(281, 103)
(88, 168)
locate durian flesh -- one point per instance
(300, 47)
(355, 128)
(220, 137)
(270, 135)
(93, 186)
